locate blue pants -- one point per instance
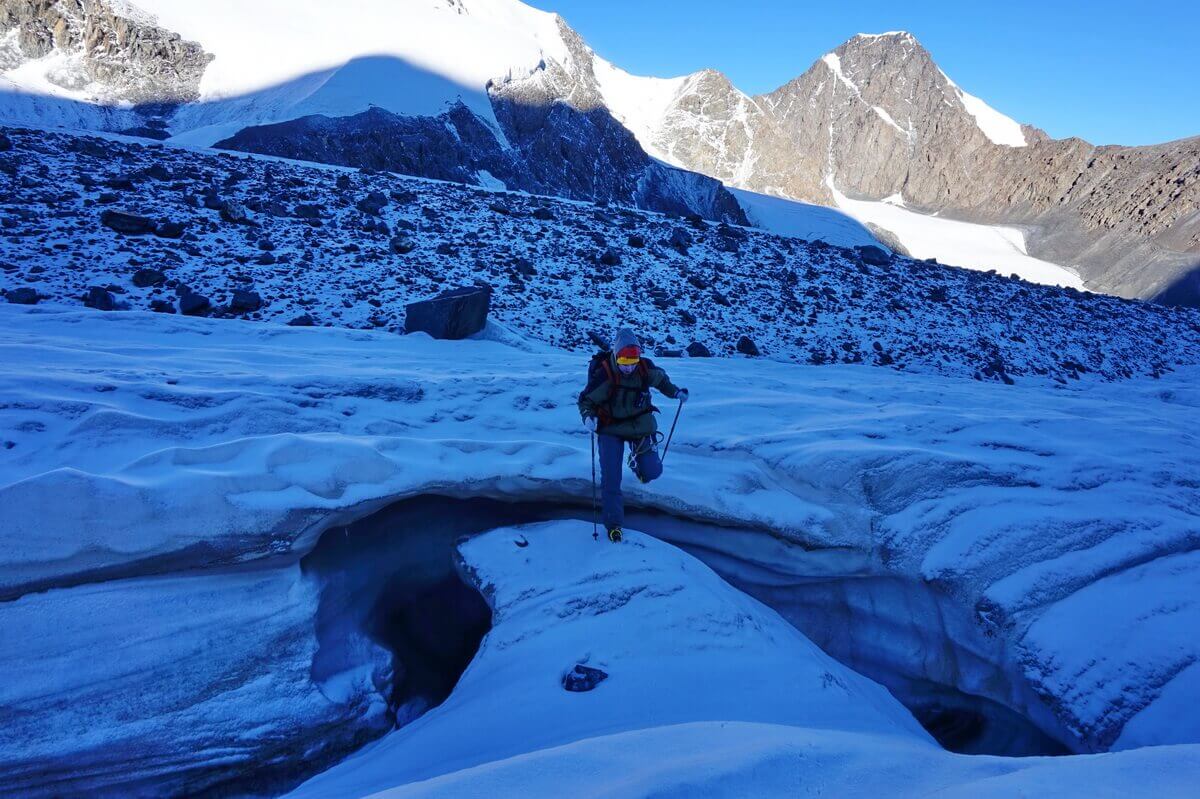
(612, 451)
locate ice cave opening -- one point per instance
(392, 600)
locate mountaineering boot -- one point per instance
(614, 534)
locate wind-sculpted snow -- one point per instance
(677, 643)
(145, 452)
(282, 241)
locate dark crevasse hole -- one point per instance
(389, 585)
(899, 632)
(389, 580)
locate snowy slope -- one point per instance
(802, 220)
(153, 445)
(965, 244)
(995, 125)
(284, 60)
(307, 248)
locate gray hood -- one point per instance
(624, 338)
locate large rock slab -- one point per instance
(453, 314)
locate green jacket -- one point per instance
(628, 403)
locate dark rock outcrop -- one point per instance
(126, 223)
(583, 678)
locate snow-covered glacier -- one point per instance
(231, 557)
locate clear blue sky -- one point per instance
(1109, 72)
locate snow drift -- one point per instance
(152, 457)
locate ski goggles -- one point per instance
(629, 356)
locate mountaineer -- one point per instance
(616, 408)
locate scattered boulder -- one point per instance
(5, 143)
(636, 241)
(583, 678)
(373, 203)
(99, 298)
(680, 241)
(245, 301)
(162, 306)
(303, 320)
(875, 256)
(308, 211)
(453, 314)
(542, 213)
(235, 213)
(144, 278)
(610, 257)
(170, 230)
(402, 245)
(192, 304)
(698, 350)
(22, 296)
(746, 346)
(126, 223)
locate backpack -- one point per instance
(600, 369)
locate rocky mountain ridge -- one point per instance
(878, 118)
(875, 118)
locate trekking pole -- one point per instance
(667, 446)
(595, 533)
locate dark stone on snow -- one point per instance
(343, 181)
(938, 294)
(245, 302)
(99, 298)
(687, 317)
(402, 245)
(308, 211)
(148, 277)
(636, 241)
(22, 296)
(5, 143)
(874, 256)
(235, 213)
(162, 306)
(583, 678)
(747, 347)
(303, 320)
(680, 241)
(120, 183)
(170, 230)
(698, 350)
(544, 214)
(193, 304)
(373, 203)
(610, 257)
(127, 224)
(453, 314)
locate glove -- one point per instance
(590, 423)
(682, 395)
